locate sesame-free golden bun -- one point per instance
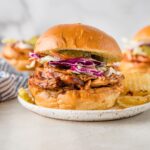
(13, 57)
(143, 35)
(78, 37)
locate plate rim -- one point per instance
(24, 102)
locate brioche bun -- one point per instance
(92, 99)
(143, 35)
(77, 37)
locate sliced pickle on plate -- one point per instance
(23, 93)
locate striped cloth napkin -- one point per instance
(10, 81)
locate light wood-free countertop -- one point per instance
(21, 129)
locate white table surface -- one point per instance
(21, 129)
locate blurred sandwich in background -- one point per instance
(136, 68)
(16, 52)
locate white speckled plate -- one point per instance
(85, 115)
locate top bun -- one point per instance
(143, 35)
(77, 37)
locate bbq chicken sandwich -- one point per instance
(76, 70)
(136, 64)
(16, 52)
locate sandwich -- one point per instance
(135, 66)
(76, 69)
(16, 52)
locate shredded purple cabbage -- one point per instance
(77, 61)
(34, 55)
(81, 65)
(89, 71)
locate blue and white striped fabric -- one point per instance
(10, 81)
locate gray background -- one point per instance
(120, 18)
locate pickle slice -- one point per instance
(32, 40)
(23, 93)
(9, 41)
(100, 56)
(146, 50)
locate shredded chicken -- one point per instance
(53, 78)
(103, 81)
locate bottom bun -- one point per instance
(19, 64)
(92, 99)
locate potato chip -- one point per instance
(137, 83)
(129, 101)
